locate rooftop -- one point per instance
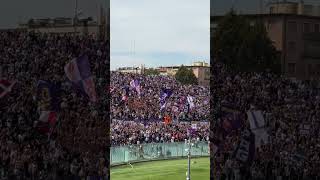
(212, 18)
(173, 67)
(57, 22)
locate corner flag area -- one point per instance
(163, 170)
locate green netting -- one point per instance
(154, 151)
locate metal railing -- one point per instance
(155, 151)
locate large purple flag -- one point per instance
(164, 95)
(135, 85)
(231, 119)
(78, 71)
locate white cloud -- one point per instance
(176, 26)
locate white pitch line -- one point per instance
(151, 167)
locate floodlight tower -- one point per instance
(189, 158)
(189, 153)
(75, 18)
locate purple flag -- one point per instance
(78, 72)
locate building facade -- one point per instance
(133, 70)
(294, 31)
(92, 29)
(287, 7)
(79, 26)
(200, 69)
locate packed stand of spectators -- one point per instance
(76, 148)
(138, 119)
(131, 132)
(147, 105)
(288, 106)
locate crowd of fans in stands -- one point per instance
(131, 132)
(139, 118)
(288, 105)
(76, 148)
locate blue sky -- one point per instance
(159, 32)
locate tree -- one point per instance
(186, 76)
(243, 46)
(151, 71)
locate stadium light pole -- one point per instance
(75, 18)
(189, 154)
(189, 157)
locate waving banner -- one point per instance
(246, 148)
(48, 105)
(164, 95)
(78, 72)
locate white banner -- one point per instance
(256, 119)
(257, 125)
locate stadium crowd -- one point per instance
(131, 132)
(76, 147)
(139, 118)
(292, 111)
(146, 106)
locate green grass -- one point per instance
(163, 170)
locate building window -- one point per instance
(306, 27)
(292, 46)
(316, 28)
(292, 26)
(269, 24)
(310, 70)
(215, 25)
(271, 10)
(318, 69)
(291, 68)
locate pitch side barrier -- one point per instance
(155, 151)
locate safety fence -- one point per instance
(156, 151)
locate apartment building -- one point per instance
(294, 30)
